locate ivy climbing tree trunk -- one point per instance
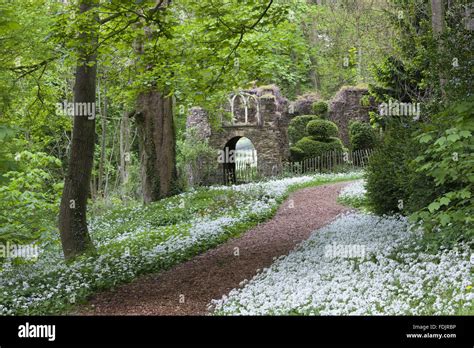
(157, 145)
(75, 237)
(157, 139)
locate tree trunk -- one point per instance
(124, 150)
(437, 25)
(312, 36)
(111, 157)
(157, 145)
(437, 17)
(103, 121)
(75, 237)
(146, 147)
(314, 75)
(157, 140)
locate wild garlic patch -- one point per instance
(355, 189)
(135, 240)
(385, 280)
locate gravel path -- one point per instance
(187, 288)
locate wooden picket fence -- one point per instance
(333, 161)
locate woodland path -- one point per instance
(188, 288)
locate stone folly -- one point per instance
(262, 115)
(259, 114)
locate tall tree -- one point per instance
(157, 140)
(75, 237)
(103, 139)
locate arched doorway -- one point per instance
(239, 160)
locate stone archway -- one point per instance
(261, 115)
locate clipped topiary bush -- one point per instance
(321, 138)
(362, 136)
(320, 108)
(297, 127)
(309, 147)
(321, 129)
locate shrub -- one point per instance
(30, 198)
(320, 108)
(321, 129)
(387, 167)
(393, 186)
(7, 149)
(362, 136)
(296, 154)
(308, 146)
(447, 160)
(321, 139)
(297, 127)
(196, 161)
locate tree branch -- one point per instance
(234, 49)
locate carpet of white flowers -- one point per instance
(391, 277)
(354, 195)
(136, 240)
(355, 189)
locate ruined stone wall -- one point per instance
(303, 105)
(197, 120)
(346, 107)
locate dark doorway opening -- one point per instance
(240, 161)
